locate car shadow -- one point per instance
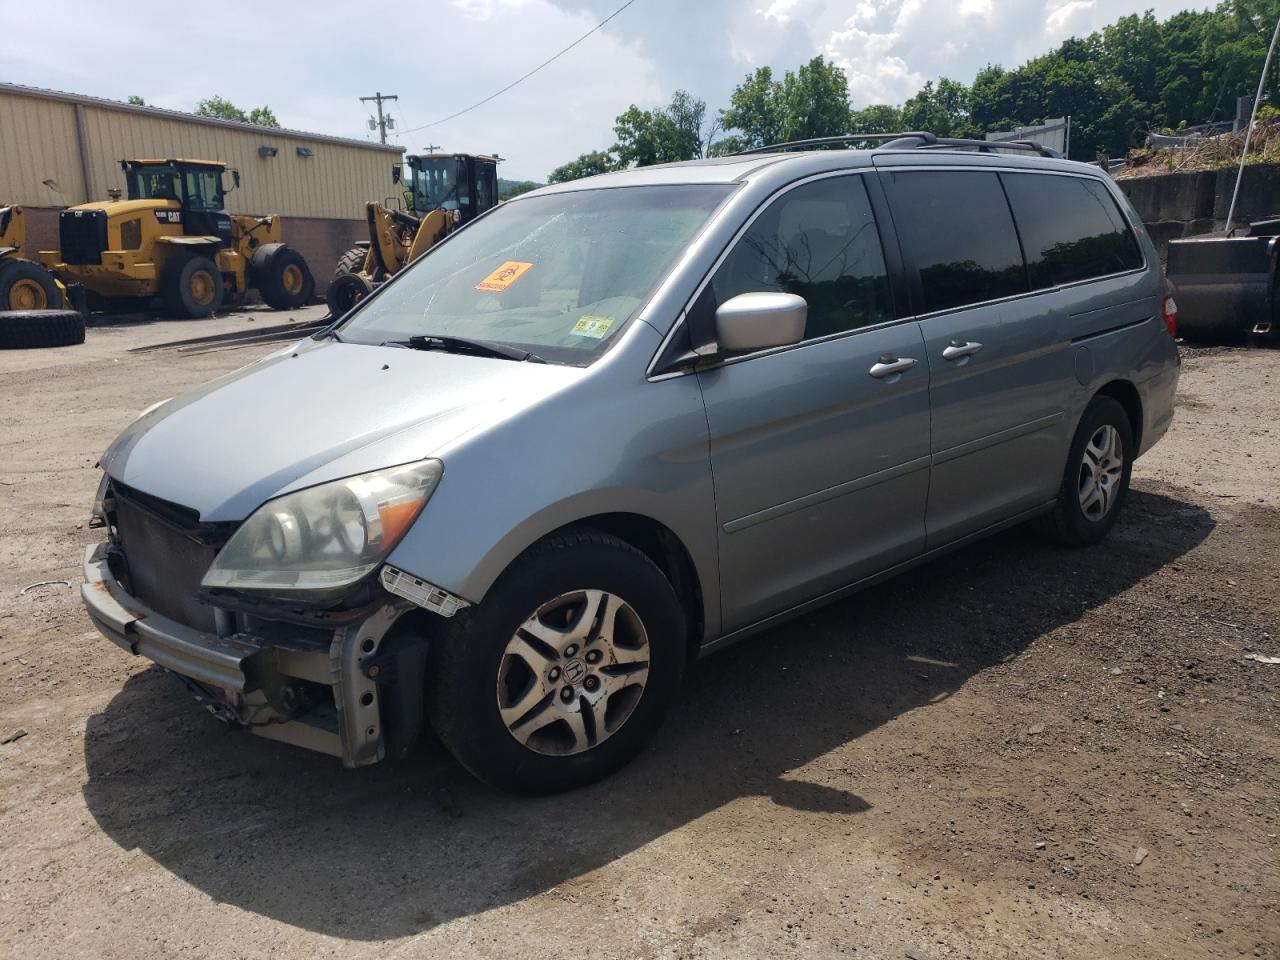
(393, 850)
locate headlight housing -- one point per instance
(317, 542)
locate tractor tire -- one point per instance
(26, 329)
(25, 285)
(351, 262)
(191, 288)
(282, 276)
(345, 291)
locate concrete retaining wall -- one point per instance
(1188, 204)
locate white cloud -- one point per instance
(439, 57)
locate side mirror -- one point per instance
(235, 178)
(397, 171)
(758, 321)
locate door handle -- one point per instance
(960, 350)
(891, 367)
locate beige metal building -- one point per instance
(60, 149)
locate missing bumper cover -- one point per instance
(419, 592)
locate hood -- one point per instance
(120, 208)
(316, 412)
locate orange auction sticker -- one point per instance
(504, 276)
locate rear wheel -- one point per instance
(1096, 479)
(25, 285)
(565, 671)
(191, 288)
(351, 262)
(282, 277)
(345, 291)
(25, 329)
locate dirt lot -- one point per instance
(1020, 751)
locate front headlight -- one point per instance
(324, 539)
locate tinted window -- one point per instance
(818, 241)
(957, 227)
(1071, 229)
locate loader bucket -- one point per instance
(1224, 285)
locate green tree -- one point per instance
(755, 111)
(263, 117)
(662, 135)
(220, 108)
(877, 118)
(811, 102)
(942, 110)
(136, 100)
(587, 165)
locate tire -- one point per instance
(191, 288)
(25, 285)
(1070, 522)
(282, 276)
(482, 658)
(345, 291)
(25, 329)
(351, 262)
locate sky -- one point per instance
(312, 61)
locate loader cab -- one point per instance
(195, 184)
(459, 182)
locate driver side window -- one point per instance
(818, 241)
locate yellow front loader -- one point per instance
(173, 238)
(24, 284)
(442, 191)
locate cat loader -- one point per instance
(173, 238)
(24, 284)
(442, 191)
(35, 307)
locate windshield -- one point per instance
(558, 276)
(434, 183)
(157, 181)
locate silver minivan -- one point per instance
(619, 423)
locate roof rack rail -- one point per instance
(915, 140)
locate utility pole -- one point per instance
(383, 123)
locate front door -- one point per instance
(819, 451)
(204, 212)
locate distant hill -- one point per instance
(513, 188)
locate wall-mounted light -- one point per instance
(265, 151)
(306, 152)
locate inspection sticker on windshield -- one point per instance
(593, 327)
(504, 276)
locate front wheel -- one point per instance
(191, 287)
(1096, 479)
(565, 670)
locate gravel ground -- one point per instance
(1019, 751)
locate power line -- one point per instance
(545, 63)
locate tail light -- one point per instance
(1169, 314)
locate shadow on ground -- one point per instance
(370, 854)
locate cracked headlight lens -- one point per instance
(325, 538)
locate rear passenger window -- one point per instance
(1071, 229)
(818, 241)
(956, 226)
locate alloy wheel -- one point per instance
(573, 673)
(1101, 468)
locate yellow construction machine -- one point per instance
(174, 238)
(442, 191)
(24, 284)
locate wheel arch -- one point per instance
(660, 544)
(1126, 394)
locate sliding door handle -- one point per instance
(890, 366)
(960, 350)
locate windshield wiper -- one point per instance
(480, 348)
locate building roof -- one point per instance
(19, 90)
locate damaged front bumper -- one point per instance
(319, 695)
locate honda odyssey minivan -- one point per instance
(619, 423)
